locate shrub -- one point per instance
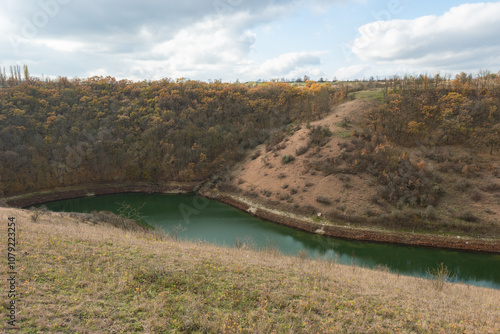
(476, 195)
(275, 138)
(323, 200)
(272, 247)
(255, 155)
(383, 268)
(285, 159)
(251, 194)
(320, 135)
(267, 193)
(370, 213)
(462, 185)
(284, 197)
(37, 213)
(174, 231)
(302, 150)
(375, 198)
(281, 147)
(128, 218)
(244, 243)
(345, 123)
(307, 210)
(302, 254)
(439, 275)
(344, 178)
(469, 217)
(429, 213)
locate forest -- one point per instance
(463, 111)
(57, 133)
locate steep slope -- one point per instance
(297, 182)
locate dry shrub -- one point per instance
(439, 276)
(303, 149)
(323, 200)
(469, 217)
(476, 195)
(286, 159)
(462, 185)
(320, 135)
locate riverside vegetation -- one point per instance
(82, 274)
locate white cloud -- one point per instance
(150, 39)
(291, 65)
(208, 42)
(465, 36)
(60, 45)
(219, 47)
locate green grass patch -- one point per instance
(376, 94)
(343, 134)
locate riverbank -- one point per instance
(324, 227)
(58, 194)
(76, 276)
(303, 223)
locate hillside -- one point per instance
(78, 132)
(266, 175)
(78, 274)
(342, 170)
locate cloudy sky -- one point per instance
(249, 39)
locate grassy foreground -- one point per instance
(79, 277)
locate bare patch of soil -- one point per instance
(296, 182)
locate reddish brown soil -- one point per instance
(268, 174)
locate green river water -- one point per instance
(218, 223)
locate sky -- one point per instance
(247, 40)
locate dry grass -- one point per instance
(82, 278)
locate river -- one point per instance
(196, 218)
